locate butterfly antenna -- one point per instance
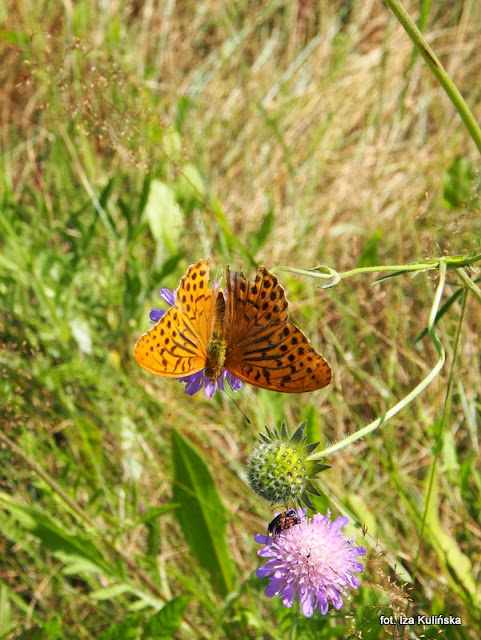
(231, 398)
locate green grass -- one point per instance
(139, 138)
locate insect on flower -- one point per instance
(282, 522)
(241, 333)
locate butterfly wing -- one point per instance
(263, 347)
(177, 345)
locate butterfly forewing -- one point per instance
(263, 347)
(177, 345)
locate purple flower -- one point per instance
(196, 381)
(313, 560)
(167, 296)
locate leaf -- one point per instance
(363, 512)
(190, 188)
(108, 593)
(459, 185)
(450, 458)
(81, 333)
(201, 514)
(257, 240)
(370, 255)
(226, 237)
(394, 274)
(154, 512)
(132, 290)
(166, 622)
(78, 553)
(184, 104)
(165, 218)
(53, 629)
(440, 313)
(125, 630)
(449, 554)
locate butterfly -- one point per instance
(244, 330)
(282, 522)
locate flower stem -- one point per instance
(437, 68)
(412, 394)
(334, 277)
(472, 286)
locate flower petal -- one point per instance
(308, 606)
(220, 381)
(193, 382)
(156, 314)
(234, 383)
(260, 538)
(210, 388)
(168, 296)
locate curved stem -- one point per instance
(324, 272)
(472, 286)
(437, 68)
(412, 394)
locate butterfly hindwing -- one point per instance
(177, 345)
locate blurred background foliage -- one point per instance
(137, 137)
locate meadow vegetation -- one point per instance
(137, 137)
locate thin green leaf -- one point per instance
(109, 593)
(125, 630)
(257, 240)
(394, 274)
(76, 552)
(449, 553)
(440, 313)
(201, 514)
(166, 622)
(154, 512)
(370, 254)
(165, 218)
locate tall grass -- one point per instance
(139, 137)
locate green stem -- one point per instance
(334, 277)
(437, 68)
(469, 283)
(438, 433)
(414, 393)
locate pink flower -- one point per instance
(311, 559)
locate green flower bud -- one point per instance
(278, 469)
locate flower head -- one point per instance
(279, 469)
(195, 381)
(311, 559)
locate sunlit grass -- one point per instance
(310, 123)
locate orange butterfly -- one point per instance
(241, 333)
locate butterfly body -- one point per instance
(216, 353)
(243, 329)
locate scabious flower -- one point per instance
(279, 469)
(196, 381)
(313, 560)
